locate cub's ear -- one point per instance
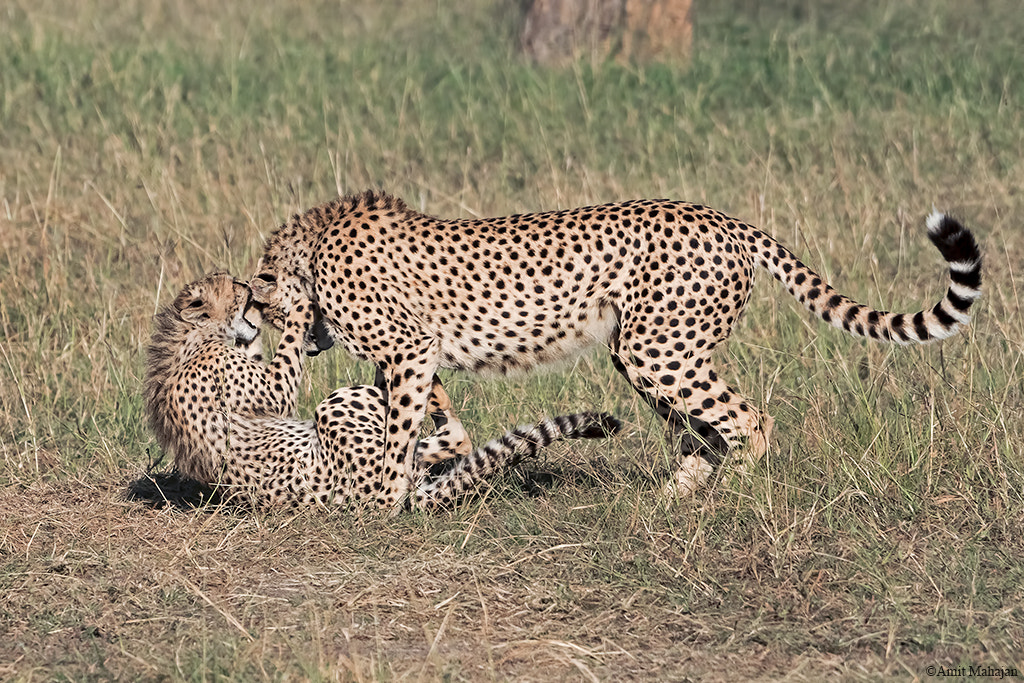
(263, 287)
(191, 308)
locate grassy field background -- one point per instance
(143, 143)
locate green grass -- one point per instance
(146, 143)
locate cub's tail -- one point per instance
(954, 242)
(467, 473)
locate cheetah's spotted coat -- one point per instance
(660, 282)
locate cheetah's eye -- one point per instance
(195, 303)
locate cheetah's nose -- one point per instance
(321, 335)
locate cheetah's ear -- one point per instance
(263, 287)
(191, 308)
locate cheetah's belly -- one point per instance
(498, 345)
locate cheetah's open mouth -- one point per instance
(245, 331)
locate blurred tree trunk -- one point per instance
(559, 31)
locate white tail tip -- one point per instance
(934, 220)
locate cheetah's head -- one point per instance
(219, 302)
(275, 291)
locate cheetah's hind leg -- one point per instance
(724, 423)
(450, 438)
(709, 418)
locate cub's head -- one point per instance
(218, 302)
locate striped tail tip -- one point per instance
(956, 244)
(960, 250)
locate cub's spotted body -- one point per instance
(660, 282)
(225, 415)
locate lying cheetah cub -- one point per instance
(225, 415)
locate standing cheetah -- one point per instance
(660, 282)
(225, 415)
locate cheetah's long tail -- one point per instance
(522, 442)
(954, 242)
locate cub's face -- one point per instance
(219, 302)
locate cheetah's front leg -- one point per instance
(277, 393)
(450, 438)
(409, 374)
